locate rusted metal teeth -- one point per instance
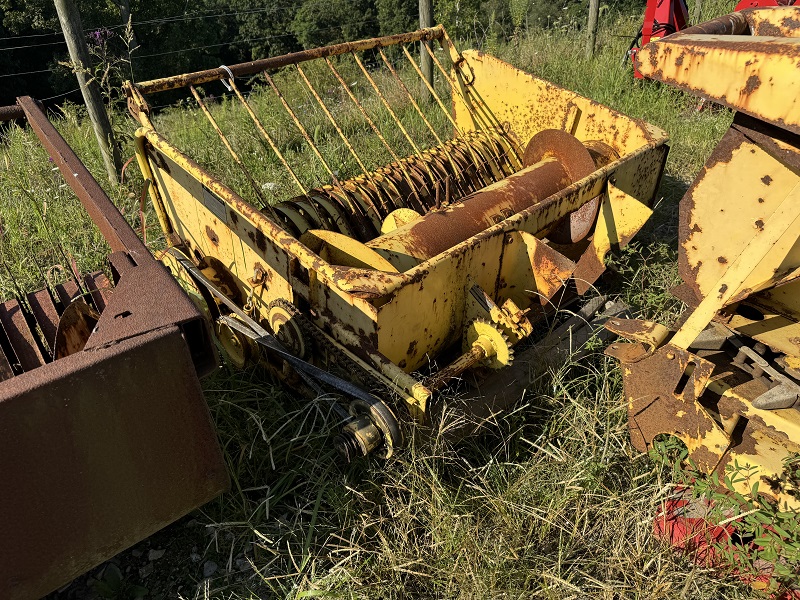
(436, 177)
(31, 326)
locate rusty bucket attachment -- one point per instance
(105, 436)
(405, 240)
(727, 382)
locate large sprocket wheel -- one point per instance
(492, 340)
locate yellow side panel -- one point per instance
(425, 316)
(525, 104)
(732, 201)
(209, 225)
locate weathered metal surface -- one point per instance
(104, 214)
(104, 433)
(448, 173)
(440, 230)
(739, 260)
(101, 449)
(9, 113)
(74, 328)
(662, 391)
(709, 407)
(761, 70)
(394, 316)
(46, 315)
(778, 21)
(767, 162)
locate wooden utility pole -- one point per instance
(594, 14)
(425, 62)
(698, 6)
(79, 53)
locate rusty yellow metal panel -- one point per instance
(707, 250)
(761, 70)
(524, 104)
(427, 315)
(778, 21)
(739, 260)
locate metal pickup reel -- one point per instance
(435, 178)
(397, 238)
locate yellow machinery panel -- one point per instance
(727, 381)
(499, 197)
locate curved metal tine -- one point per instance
(347, 143)
(478, 101)
(262, 130)
(372, 125)
(256, 189)
(418, 109)
(397, 121)
(458, 131)
(454, 86)
(309, 141)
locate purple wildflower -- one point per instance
(99, 36)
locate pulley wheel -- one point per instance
(283, 323)
(578, 163)
(237, 348)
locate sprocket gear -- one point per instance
(283, 319)
(494, 342)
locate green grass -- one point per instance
(550, 502)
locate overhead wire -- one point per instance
(26, 73)
(34, 45)
(172, 19)
(269, 37)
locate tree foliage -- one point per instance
(174, 36)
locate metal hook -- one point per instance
(230, 74)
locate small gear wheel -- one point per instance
(492, 340)
(283, 319)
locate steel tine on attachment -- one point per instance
(435, 95)
(420, 112)
(262, 130)
(391, 111)
(334, 177)
(234, 155)
(409, 180)
(365, 173)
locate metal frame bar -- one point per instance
(257, 66)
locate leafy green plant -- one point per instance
(763, 546)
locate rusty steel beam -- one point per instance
(257, 66)
(105, 215)
(732, 24)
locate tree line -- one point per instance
(144, 39)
